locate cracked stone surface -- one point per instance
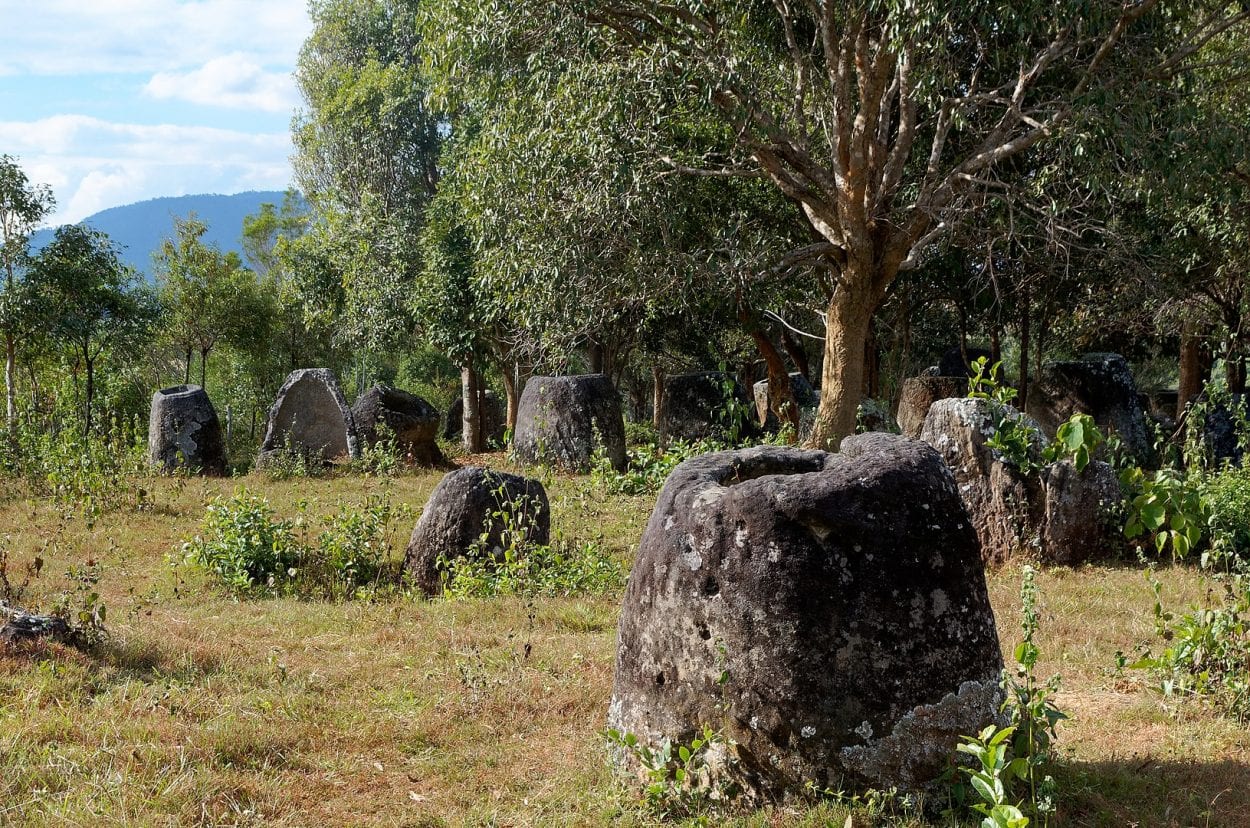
(1054, 515)
(841, 596)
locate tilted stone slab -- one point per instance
(311, 416)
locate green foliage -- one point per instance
(1017, 755)
(735, 416)
(81, 607)
(559, 568)
(1226, 495)
(1013, 439)
(86, 474)
(1166, 508)
(990, 778)
(352, 550)
(1075, 440)
(676, 782)
(1207, 651)
(648, 467)
(253, 554)
(242, 543)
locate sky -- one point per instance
(116, 101)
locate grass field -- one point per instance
(204, 710)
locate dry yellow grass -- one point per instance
(203, 710)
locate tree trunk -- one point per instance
(10, 380)
(509, 374)
(657, 399)
(90, 395)
(872, 366)
(470, 423)
(594, 356)
(996, 344)
(780, 394)
(204, 368)
(1024, 352)
(842, 375)
(1190, 384)
(797, 353)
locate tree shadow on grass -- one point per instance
(1152, 793)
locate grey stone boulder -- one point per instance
(495, 425)
(184, 432)
(698, 406)
(1100, 385)
(1052, 514)
(310, 415)
(826, 612)
(918, 394)
(804, 395)
(1080, 515)
(472, 511)
(410, 420)
(564, 420)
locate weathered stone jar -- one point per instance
(564, 420)
(827, 613)
(469, 512)
(410, 420)
(184, 432)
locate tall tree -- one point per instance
(207, 295)
(884, 121)
(22, 207)
(91, 299)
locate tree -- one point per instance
(885, 122)
(207, 296)
(91, 300)
(22, 207)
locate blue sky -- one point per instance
(116, 101)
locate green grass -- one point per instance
(206, 710)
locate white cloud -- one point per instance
(233, 81)
(68, 37)
(92, 164)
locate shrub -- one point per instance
(244, 546)
(352, 550)
(1165, 507)
(648, 466)
(1227, 497)
(1207, 657)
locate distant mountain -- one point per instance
(138, 229)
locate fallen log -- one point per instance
(21, 626)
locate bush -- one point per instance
(535, 570)
(1227, 497)
(254, 554)
(245, 547)
(648, 466)
(1207, 657)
